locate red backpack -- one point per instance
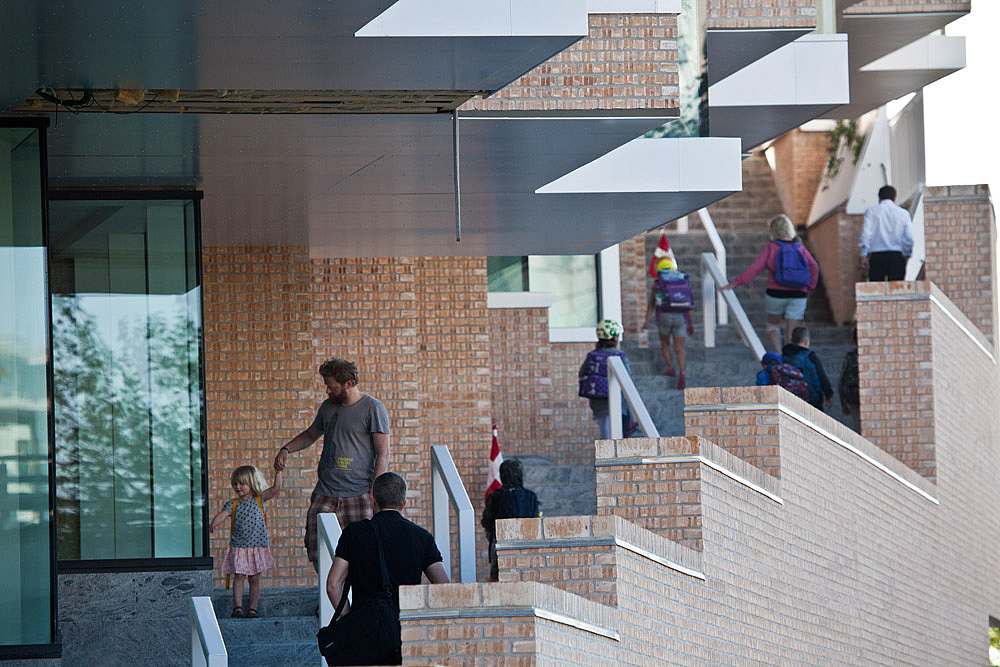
(791, 379)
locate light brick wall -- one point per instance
(628, 61)
(416, 327)
(960, 236)
(800, 160)
(750, 435)
(762, 14)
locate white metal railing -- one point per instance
(619, 382)
(916, 262)
(711, 279)
(448, 491)
(721, 313)
(207, 646)
(328, 530)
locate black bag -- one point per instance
(370, 633)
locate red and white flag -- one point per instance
(496, 458)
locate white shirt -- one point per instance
(887, 228)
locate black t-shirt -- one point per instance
(408, 549)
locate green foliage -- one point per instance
(843, 138)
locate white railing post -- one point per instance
(620, 382)
(708, 307)
(448, 491)
(207, 646)
(721, 312)
(328, 535)
(712, 276)
(614, 403)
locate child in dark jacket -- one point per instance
(510, 501)
(593, 378)
(798, 354)
(767, 363)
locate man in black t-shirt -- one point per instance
(409, 550)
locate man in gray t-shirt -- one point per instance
(355, 430)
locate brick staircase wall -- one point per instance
(800, 160)
(850, 557)
(761, 14)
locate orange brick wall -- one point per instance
(574, 430)
(894, 364)
(960, 231)
(834, 242)
(751, 435)
(628, 61)
(416, 327)
(800, 159)
(632, 265)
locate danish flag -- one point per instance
(496, 458)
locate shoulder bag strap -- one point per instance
(386, 582)
(260, 504)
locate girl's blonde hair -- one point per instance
(250, 476)
(780, 228)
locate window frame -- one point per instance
(203, 561)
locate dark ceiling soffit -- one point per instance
(730, 50)
(757, 125)
(665, 114)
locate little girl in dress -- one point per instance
(248, 553)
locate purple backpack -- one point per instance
(791, 379)
(594, 374)
(673, 292)
(791, 269)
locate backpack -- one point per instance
(673, 292)
(514, 503)
(594, 374)
(791, 270)
(802, 362)
(849, 379)
(791, 379)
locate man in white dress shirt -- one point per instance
(886, 239)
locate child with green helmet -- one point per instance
(593, 377)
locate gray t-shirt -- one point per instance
(347, 465)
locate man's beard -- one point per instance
(336, 400)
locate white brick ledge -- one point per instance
(509, 612)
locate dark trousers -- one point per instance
(889, 265)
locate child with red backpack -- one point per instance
(672, 300)
(593, 378)
(774, 371)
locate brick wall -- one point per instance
(834, 242)
(960, 237)
(627, 61)
(907, 6)
(850, 558)
(416, 327)
(633, 265)
(762, 14)
(800, 159)
(534, 389)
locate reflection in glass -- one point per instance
(692, 73)
(25, 576)
(572, 282)
(127, 363)
(507, 274)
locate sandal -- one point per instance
(251, 613)
(237, 612)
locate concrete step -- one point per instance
(274, 602)
(303, 653)
(562, 490)
(236, 631)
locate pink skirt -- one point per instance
(247, 560)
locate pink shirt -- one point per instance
(768, 258)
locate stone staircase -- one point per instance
(284, 634)
(741, 220)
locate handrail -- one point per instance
(208, 649)
(722, 314)
(448, 491)
(328, 529)
(919, 255)
(620, 381)
(712, 278)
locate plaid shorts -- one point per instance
(348, 511)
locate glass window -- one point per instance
(572, 282)
(507, 274)
(126, 330)
(25, 530)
